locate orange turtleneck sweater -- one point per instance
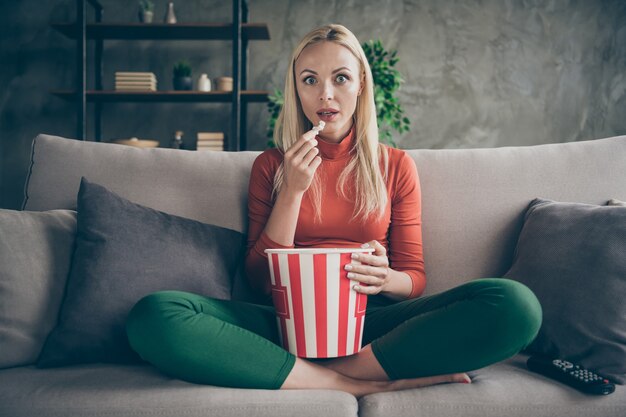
(399, 231)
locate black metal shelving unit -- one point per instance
(239, 32)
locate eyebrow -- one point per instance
(337, 70)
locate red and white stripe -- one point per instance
(319, 315)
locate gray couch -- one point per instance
(473, 205)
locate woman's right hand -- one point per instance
(301, 161)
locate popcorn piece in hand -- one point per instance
(320, 126)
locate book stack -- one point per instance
(135, 81)
(210, 141)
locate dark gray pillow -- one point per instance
(123, 252)
(573, 256)
(35, 254)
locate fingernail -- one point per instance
(355, 256)
(350, 275)
(365, 245)
(348, 267)
(313, 142)
(356, 287)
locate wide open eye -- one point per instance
(341, 78)
(309, 80)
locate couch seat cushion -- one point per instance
(35, 255)
(140, 390)
(505, 389)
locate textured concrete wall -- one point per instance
(477, 73)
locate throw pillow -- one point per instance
(35, 255)
(573, 256)
(125, 251)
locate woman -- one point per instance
(337, 187)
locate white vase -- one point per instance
(170, 16)
(204, 83)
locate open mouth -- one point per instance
(327, 115)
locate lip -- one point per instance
(327, 117)
(327, 109)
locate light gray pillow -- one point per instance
(125, 251)
(573, 256)
(35, 255)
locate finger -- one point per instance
(308, 158)
(366, 289)
(362, 269)
(317, 161)
(373, 260)
(310, 134)
(379, 249)
(303, 151)
(304, 139)
(365, 279)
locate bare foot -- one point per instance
(308, 375)
(401, 384)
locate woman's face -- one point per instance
(328, 82)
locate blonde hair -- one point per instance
(370, 189)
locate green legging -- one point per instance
(236, 344)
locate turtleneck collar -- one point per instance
(335, 151)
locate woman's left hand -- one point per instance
(374, 270)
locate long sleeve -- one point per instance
(405, 231)
(260, 206)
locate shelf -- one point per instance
(250, 96)
(238, 31)
(165, 31)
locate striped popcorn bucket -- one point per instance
(319, 314)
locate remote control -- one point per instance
(571, 374)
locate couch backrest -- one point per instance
(206, 186)
(473, 200)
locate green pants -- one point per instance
(236, 344)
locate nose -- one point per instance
(327, 92)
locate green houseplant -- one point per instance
(146, 11)
(273, 106)
(387, 80)
(182, 76)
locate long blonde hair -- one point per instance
(370, 189)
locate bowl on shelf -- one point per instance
(138, 143)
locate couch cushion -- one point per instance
(473, 200)
(35, 254)
(573, 257)
(210, 187)
(505, 389)
(125, 251)
(117, 390)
